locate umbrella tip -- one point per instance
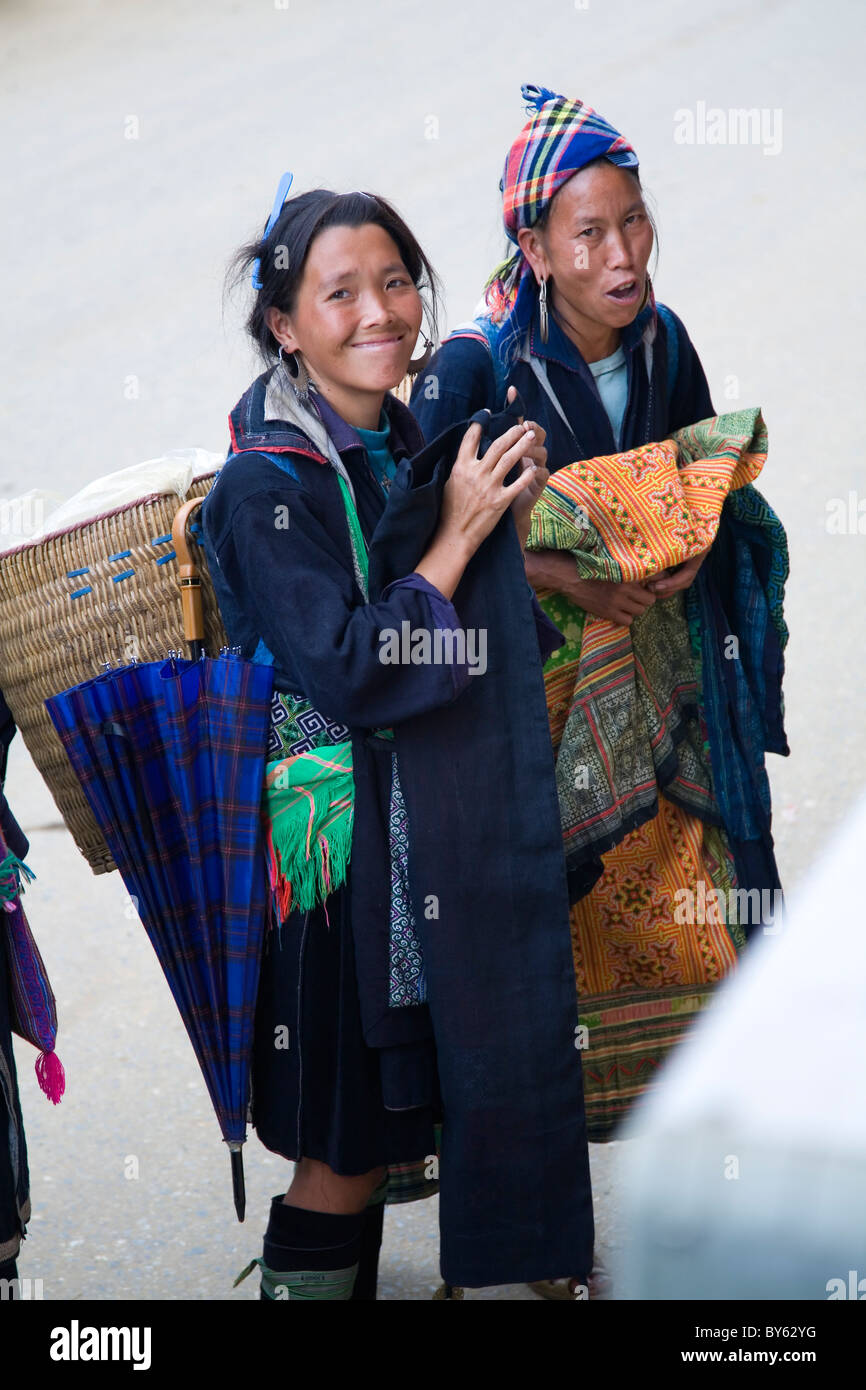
(238, 1186)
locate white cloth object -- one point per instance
(172, 472)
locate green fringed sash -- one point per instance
(309, 797)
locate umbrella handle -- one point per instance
(188, 579)
(236, 1152)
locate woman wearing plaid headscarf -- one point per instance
(570, 319)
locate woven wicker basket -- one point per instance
(103, 591)
(403, 389)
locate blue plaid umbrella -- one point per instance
(171, 757)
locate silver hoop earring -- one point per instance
(298, 375)
(542, 309)
(417, 364)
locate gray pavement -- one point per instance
(117, 348)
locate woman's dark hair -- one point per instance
(283, 253)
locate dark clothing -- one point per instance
(480, 790)
(294, 589)
(321, 1097)
(297, 585)
(14, 1176)
(359, 1084)
(460, 380)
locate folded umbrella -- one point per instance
(171, 757)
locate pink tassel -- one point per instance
(51, 1076)
(280, 886)
(326, 874)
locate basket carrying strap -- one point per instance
(485, 329)
(263, 653)
(673, 340)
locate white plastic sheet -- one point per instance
(172, 472)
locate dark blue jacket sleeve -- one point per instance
(690, 400)
(294, 584)
(458, 381)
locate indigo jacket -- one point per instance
(497, 1031)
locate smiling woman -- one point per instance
(344, 287)
(352, 1063)
(353, 356)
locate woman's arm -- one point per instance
(689, 402)
(293, 584)
(287, 570)
(618, 603)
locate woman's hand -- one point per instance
(536, 463)
(475, 496)
(521, 507)
(618, 603)
(473, 500)
(681, 577)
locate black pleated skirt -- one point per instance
(316, 1086)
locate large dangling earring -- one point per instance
(542, 309)
(298, 374)
(417, 364)
(647, 293)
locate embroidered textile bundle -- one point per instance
(624, 702)
(627, 516)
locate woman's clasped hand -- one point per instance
(476, 495)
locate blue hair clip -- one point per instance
(282, 193)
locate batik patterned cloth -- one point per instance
(642, 974)
(623, 702)
(296, 727)
(629, 515)
(634, 773)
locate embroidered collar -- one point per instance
(267, 417)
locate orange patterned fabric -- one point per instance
(641, 975)
(620, 702)
(627, 516)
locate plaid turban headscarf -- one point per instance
(561, 137)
